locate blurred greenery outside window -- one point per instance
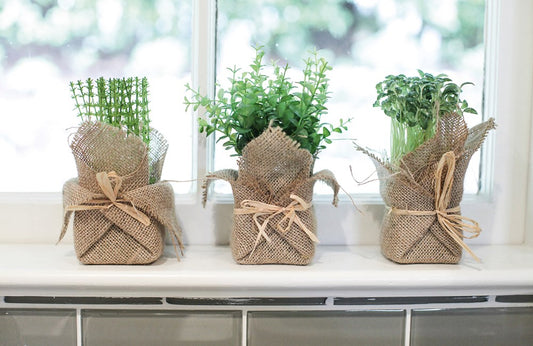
(44, 44)
(364, 41)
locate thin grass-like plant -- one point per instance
(120, 102)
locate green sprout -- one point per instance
(414, 105)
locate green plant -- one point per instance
(121, 102)
(414, 105)
(255, 100)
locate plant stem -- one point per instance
(121, 103)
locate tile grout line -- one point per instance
(407, 328)
(78, 328)
(244, 326)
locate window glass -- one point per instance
(45, 44)
(364, 41)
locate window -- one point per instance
(364, 41)
(46, 44)
(37, 109)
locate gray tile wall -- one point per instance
(483, 327)
(319, 328)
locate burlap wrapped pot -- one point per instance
(273, 219)
(423, 221)
(119, 218)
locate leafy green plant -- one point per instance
(121, 102)
(414, 105)
(255, 100)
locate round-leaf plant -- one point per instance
(414, 105)
(255, 100)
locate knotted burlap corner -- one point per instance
(119, 218)
(273, 220)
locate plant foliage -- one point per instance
(255, 100)
(121, 102)
(414, 105)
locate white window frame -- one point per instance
(503, 208)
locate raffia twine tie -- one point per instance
(290, 217)
(110, 197)
(449, 218)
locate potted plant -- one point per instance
(422, 181)
(120, 207)
(274, 125)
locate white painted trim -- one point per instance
(210, 272)
(490, 91)
(203, 67)
(529, 206)
(513, 96)
(528, 237)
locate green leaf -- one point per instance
(202, 122)
(412, 102)
(242, 111)
(241, 130)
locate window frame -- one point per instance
(504, 207)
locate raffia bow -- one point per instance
(110, 197)
(449, 218)
(290, 217)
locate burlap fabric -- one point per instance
(273, 189)
(411, 231)
(119, 218)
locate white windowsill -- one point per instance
(209, 271)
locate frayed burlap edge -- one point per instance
(411, 186)
(272, 170)
(109, 235)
